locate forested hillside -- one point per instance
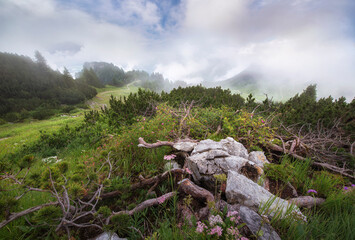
(110, 74)
(32, 88)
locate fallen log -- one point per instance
(188, 187)
(143, 205)
(143, 143)
(307, 201)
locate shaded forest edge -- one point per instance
(32, 89)
(99, 178)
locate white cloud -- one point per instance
(292, 43)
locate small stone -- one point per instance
(108, 236)
(256, 223)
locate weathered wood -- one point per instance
(143, 143)
(143, 205)
(325, 165)
(307, 201)
(15, 216)
(195, 191)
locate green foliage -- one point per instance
(204, 97)
(121, 223)
(304, 109)
(325, 183)
(26, 85)
(247, 128)
(124, 111)
(105, 211)
(26, 161)
(47, 215)
(62, 166)
(335, 219)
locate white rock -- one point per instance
(258, 158)
(108, 236)
(186, 146)
(241, 189)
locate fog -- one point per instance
(290, 44)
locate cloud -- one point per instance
(66, 37)
(291, 43)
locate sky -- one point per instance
(290, 43)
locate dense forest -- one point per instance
(109, 173)
(32, 88)
(110, 74)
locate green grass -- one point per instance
(104, 95)
(14, 135)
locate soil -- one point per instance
(250, 172)
(281, 189)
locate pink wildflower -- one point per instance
(188, 171)
(233, 231)
(233, 213)
(243, 238)
(170, 157)
(162, 123)
(214, 220)
(216, 230)
(200, 227)
(262, 121)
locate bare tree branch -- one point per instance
(142, 143)
(14, 216)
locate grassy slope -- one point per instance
(13, 135)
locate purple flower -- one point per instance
(262, 121)
(346, 188)
(312, 191)
(352, 185)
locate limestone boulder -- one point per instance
(210, 157)
(256, 223)
(244, 191)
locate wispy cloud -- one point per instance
(292, 43)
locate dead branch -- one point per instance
(307, 201)
(142, 143)
(143, 205)
(14, 216)
(188, 187)
(158, 178)
(330, 167)
(144, 182)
